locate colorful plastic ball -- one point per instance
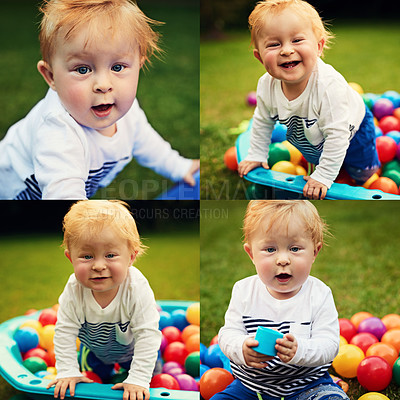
(347, 329)
(203, 368)
(186, 382)
(230, 159)
(393, 175)
(165, 381)
(32, 323)
(389, 123)
(277, 152)
(382, 107)
(391, 321)
(295, 154)
(369, 182)
(170, 365)
(394, 164)
(26, 339)
(364, 340)
(46, 337)
(179, 319)
(119, 377)
(347, 360)
(384, 350)
(373, 396)
(31, 311)
(378, 132)
(360, 316)
(93, 376)
(386, 148)
(395, 135)
(213, 356)
(392, 336)
(213, 381)
(38, 352)
(300, 170)
(374, 373)
(189, 331)
(356, 87)
(393, 96)
(385, 184)
(175, 351)
(284, 166)
(396, 371)
(165, 320)
(48, 317)
(342, 341)
(192, 364)
(251, 99)
(193, 314)
(172, 334)
(34, 364)
(372, 325)
(193, 343)
(278, 133)
(203, 351)
(396, 112)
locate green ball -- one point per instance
(35, 364)
(391, 165)
(119, 377)
(277, 152)
(393, 174)
(192, 364)
(368, 101)
(396, 371)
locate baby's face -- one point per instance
(283, 256)
(96, 80)
(101, 261)
(288, 48)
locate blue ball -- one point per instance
(279, 133)
(393, 96)
(394, 135)
(179, 319)
(203, 368)
(165, 320)
(26, 338)
(203, 350)
(213, 357)
(378, 131)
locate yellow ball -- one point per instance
(193, 314)
(34, 324)
(52, 370)
(373, 396)
(46, 337)
(347, 361)
(50, 377)
(284, 166)
(300, 170)
(356, 87)
(295, 154)
(342, 341)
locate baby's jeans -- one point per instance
(323, 389)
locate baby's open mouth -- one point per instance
(102, 110)
(290, 64)
(283, 277)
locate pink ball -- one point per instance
(164, 343)
(374, 326)
(171, 365)
(398, 152)
(364, 340)
(176, 371)
(252, 99)
(186, 382)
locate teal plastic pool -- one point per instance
(20, 378)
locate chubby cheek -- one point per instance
(81, 273)
(73, 95)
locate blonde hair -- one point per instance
(70, 15)
(280, 211)
(89, 217)
(273, 7)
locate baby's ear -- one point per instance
(46, 71)
(247, 249)
(257, 55)
(68, 255)
(321, 45)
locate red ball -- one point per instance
(172, 334)
(389, 123)
(48, 317)
(164, 381)
(347, 329)
(230, 159)
(38, 352)
(213, 381)
(214, 340)
(91, 375)
(176, 351)
(374, 373)
(364, 340)
(385, 184)
(386, 147)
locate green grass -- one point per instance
(168, 91)
(358, 262)
(363, 52)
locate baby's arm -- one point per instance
(188, 178)
(62, 384)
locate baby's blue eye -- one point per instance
(110, 255)
(82, 70)
(87, 257)
(295, 249)
(270, 249)
(117, 67)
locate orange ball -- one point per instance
(369, 182)
(213, 381)
(391, 321)
(230, 159)
(189, 331)
(193, 343)
(392, 337)
(385, 184)
(360, 316)
(384, 350)
(396, 112)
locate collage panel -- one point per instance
(260, 278)
(118, 279)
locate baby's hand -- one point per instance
(286, 347)
(62, 384)
(314, 189)
(254, 358)
(247, 166)
(133, 392)
(188, 178)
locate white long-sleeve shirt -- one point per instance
(321, 121)
(49, 155)
(310, 316)
(128, 325)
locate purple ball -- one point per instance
(164, 343)
(176, 371)
(186, 382)
(170, 365)
(252, 99)
(372, 325)
(398, 152)
(382, 107)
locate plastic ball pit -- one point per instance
(20, 378)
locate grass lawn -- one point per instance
(168, 91)
(363, 52)
(358, 262)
